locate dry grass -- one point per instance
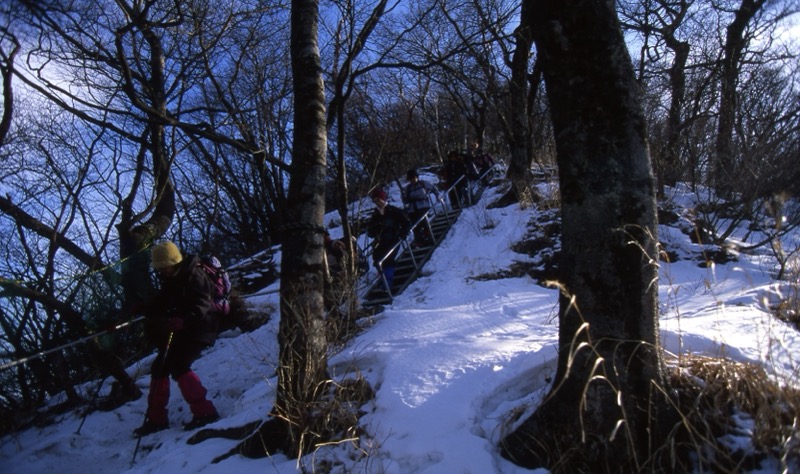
(721, 400)
(731, 418)
(788, 310)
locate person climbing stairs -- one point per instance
(411, 258)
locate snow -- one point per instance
(452, 360)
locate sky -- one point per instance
(450, 360)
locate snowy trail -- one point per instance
(452, 361)
(425, 354)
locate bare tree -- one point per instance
(303, 359)
(522, 84)
(46, 248)
(659, 23)
(302, 369)
(9, 47)
(733, 49)
(244, 91)
(148, 79)
(606, 411)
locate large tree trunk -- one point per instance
(603, 410)
(302, 371)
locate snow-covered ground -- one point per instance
(449, 360)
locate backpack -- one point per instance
(221, 282)
(416, 196)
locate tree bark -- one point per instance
(672, 168)
(302, 371)
(603, 411)
(519, 165)
(725, 167)
(6, 75)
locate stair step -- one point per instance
(405, 272)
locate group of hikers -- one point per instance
(388, 224)
(459, 168)
(181, 316)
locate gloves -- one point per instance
(175, 323)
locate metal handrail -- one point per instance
(425, 218)
(453, 188)
(380, 263)
(404, 241)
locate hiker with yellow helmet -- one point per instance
(181, 309)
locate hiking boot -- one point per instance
(199, 421)
(149, 428)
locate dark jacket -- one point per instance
(187, 295)
(387, 229)
(454, 167)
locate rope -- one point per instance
(69, 344)
(4, 281)
(16, 282)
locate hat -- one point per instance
(379, 193)
(165, 254)
(412, 173)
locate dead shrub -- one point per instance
(715, 395)
(788, 309)
(731, 417)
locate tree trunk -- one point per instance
(135, 237)
(302, 371)
(672, 169)
(343, 83)
(603, 411)
(6, 75)
(725, 166)
(520, 163)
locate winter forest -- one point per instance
(232, 128)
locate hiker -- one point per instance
(454, 168)
(337, 259)
(388, 225)
(335, 272)
(180, 314)
(483, 161)
(416, 196)
(334, 257)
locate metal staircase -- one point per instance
(411, 258)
